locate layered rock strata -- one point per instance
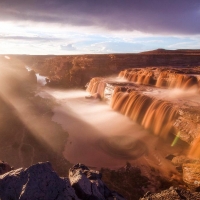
(77, 70)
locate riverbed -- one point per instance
(100, 137)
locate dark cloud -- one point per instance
(27, 38)
(151, 16)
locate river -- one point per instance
(100, 137)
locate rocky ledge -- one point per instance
(41, 182)
(172, 194)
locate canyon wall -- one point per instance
(77, 70)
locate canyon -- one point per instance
(141, 109)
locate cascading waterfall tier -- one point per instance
(161, 100)
(161, 78)
(96, 85)
(153, 114)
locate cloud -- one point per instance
(154, 16)
(28, 38)
(68, 47)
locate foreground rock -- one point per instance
(36, 182)
(172, 194)
(41, 182)
(88, 184)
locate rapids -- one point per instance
(41, 80)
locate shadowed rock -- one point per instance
(4, 167)
(36, 182)
(88, 184)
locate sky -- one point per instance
(97, 27)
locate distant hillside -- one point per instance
(178, 51)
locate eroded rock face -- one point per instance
(88, 184)
(172, 194)
(191, 174)
(36, 182)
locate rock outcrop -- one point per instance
(41, 182)
(172, 194)
(88, 184)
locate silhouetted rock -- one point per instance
(36, 182)
(88, 184)
(41, 182)
(4, 167)
(172, 194)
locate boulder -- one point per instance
(36, 182)
(88, 184)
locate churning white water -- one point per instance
(41, 80)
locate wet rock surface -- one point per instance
(191, 175)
